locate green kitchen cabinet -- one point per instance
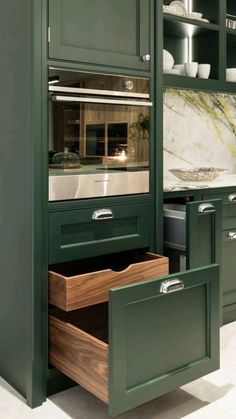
(105, 32)
(77, 234)
(192, 234)
(181, 342)
(158, 334)
(228, 271)
(203, 240)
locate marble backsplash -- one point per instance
(199, 130)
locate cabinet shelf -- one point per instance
(231, 31)
(181, 26)
(182, 82)
(190, 82)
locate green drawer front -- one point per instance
(229, 207)
(229, 267)
(160, 341)
(75, 235)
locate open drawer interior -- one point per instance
(83, 283)
(79, 346)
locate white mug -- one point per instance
(204, 71)
(191, 69)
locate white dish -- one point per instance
(181, 68)
(204, 71)
(179, 6)
(191, 69)
(193, 15)
(169, 9)
(231, 74)
(175, 71)
(168, 60)
(204, 20)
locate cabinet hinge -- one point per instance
(49, 34)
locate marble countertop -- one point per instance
(222, 181)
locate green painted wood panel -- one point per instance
(159, 342)
(105, 32)
(229, 207)
(229, 267)
(203, 233)
(75, 235)
(23, 339)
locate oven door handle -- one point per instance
(58, 98)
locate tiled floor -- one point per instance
(213, 396)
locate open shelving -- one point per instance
(190, 40)
(210, 9)
(181, 26)
(231, 37)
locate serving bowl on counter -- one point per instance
(197, 174)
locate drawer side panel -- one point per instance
(80, 356)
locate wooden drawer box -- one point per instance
(72, 285)
(161, 336)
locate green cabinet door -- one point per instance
(203, 233)
(163, 333)
(229, 270)
(114, 33)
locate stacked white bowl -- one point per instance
(231, 74)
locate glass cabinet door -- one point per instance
(98, 136)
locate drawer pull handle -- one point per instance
(232, 197)
(206, 209)
(146, 57)
(102, 214)
(232, 235)
(172, 285)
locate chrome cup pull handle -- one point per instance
(232, 235)
(206, 208)
(102, 214)
(146, 57)
(232, 197)
(172, 285)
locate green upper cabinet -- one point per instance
(114, 33)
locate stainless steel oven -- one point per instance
(99, 135)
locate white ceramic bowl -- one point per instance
(197, 174)
(231, 74)
(193, 15)
(169, 9)
(175, 71)
(181, 68)
(168, 60)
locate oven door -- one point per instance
(98, 146)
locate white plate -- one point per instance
(168, 60)
(174, 71)
(179, 6)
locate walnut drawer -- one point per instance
(72, 285)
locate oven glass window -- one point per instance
(104, 145)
